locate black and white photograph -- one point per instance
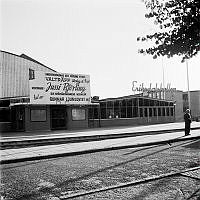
(100, 99)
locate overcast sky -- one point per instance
(95, 37)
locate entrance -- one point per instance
(18, 118)
(58, 117)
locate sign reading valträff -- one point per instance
(56, 88)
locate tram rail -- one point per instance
(137, 182)
(150, 179)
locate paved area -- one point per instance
(98, 131)
(63, 177)
(14, 155)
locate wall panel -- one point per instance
(14, 75)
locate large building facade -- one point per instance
(18, 112)
(65, 101)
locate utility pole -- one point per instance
(188, 87)
(163, 74)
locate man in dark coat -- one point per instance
(188, 120)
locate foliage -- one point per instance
(179, 28)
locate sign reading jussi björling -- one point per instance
(58, 88)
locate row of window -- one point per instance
(135, 102)
(129, 112)
(40, 115)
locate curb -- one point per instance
(42, 157)
(79, 139)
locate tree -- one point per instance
(179, 28)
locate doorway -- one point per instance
(58, 117)
(18, 118)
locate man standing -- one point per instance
(188, 120)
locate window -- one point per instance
(141, 112)
(116, 109)
(145, 112)
(146, 102)
(167, 111)
(166, 103)
(31, 74)
(123, 109)
(96, 113)
(135, 111)
(129, 112)
(162, 103)
(154, 112)
(135, 102)
(78, 114)
(150, 112)
(129, 108)
(141, 102)
(151, 102)
(103, 110)
(109, 104)
(38, 115)
(157, 103)
(110, 113)
(129, 102)
(172, 111)
(159, 111)
(163, 111)
(110, 110)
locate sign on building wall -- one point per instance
(57, 88)
(161, 92)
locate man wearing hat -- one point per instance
(188, 120)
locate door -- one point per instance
(18, 118)
(58, 117)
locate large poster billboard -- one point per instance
(59, 88)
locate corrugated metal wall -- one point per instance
(14, 74)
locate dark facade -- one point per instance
(27, 117)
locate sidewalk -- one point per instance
(70, 149)
(109, 131)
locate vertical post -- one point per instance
(174, 111)
(138, 106)
(189, 102)
(126, 107)
(99, 111)
(107, 117)
(113, 109)
(163, 73)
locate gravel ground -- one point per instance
(55, 179)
